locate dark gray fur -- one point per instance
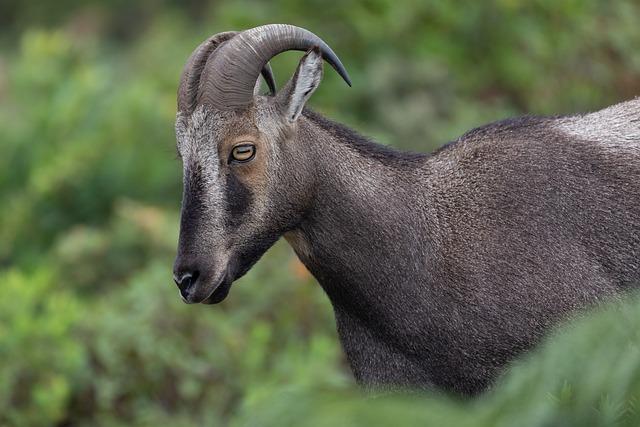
(441, 268)
(453, 264)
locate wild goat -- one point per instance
(440, 268)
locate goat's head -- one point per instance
(245, 182)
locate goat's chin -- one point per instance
(237, 267)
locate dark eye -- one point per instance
(242, 153)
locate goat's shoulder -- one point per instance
(507, 129)
(496, 139)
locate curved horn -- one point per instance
(230, 74)
(192, 71)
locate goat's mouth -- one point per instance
(219, 292)
(204, 292)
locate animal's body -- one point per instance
(441, 267)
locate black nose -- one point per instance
(186, 281)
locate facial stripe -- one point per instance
(238, 199)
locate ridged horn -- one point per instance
(192, 71)
(230, 74)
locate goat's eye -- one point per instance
(243, 152)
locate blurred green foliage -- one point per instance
(586, 375)
(91, 329)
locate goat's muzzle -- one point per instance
(196, 287)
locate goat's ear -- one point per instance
(297, 91)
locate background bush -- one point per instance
(91, 329)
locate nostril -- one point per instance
(181, 278)
(186, 280)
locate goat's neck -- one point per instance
(367, 236)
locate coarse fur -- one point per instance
(450, 265)
(440, 268)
